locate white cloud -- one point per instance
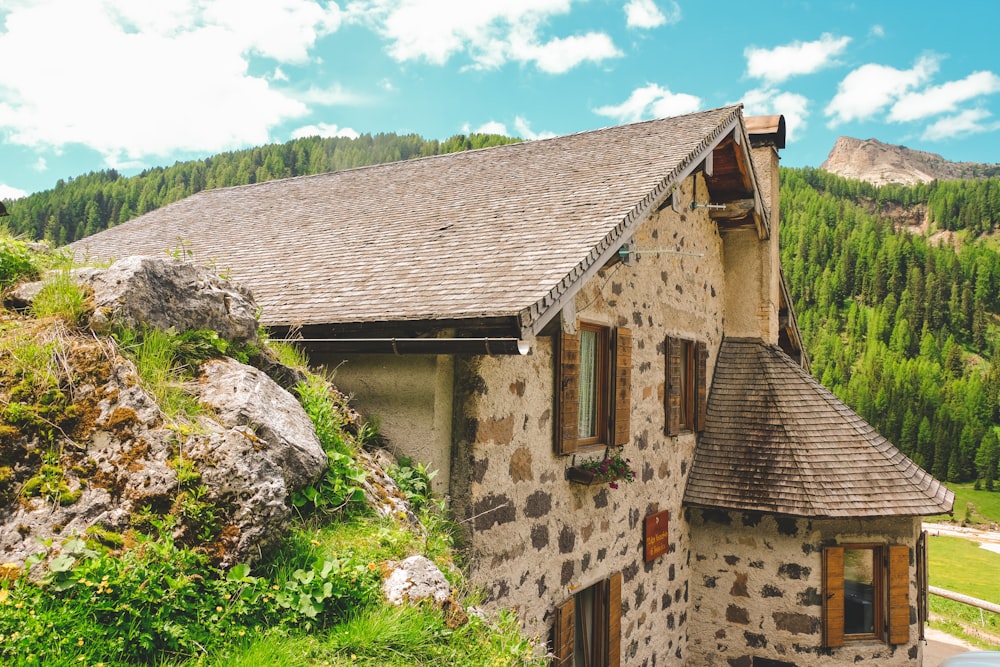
(650, 101)
(333, 95)
(783, 62)
(8, 193)
(768, 102)
(491, 34)
(960, 125)
(560, 55)
(871, 88)
(645, 14)
(324, 130)
(40, 165)
(177, 73)
(523, 128)
(944, 98)
(491, 127)
(877, 31)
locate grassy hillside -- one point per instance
(153, 594)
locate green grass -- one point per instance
(977, 574)
(985, 506)
(962, 566)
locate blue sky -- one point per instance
(94, 84)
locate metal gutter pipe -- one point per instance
(482, 346)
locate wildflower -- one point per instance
(372, 567)
(218, 609)
(79, 642)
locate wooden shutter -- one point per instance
(833, 596)
(899, 594)
(700, 385)
(568, 393)
(615, 620)
(672, 391)
(563, 634)
(622, 400)
(922, 611)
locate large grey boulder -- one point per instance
(163, 293)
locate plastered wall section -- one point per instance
(409, 397)
(757, 587)
(534, 538)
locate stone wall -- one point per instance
(756, 589)
(534, 538)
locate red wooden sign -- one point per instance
(655, 535)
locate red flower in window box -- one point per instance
(609, 469)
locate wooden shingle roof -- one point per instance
(777, 441)
(498, 234)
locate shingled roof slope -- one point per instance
(488, 233)
(777, 441)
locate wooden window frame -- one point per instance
(614, 384)
(603, 397)
(891, 595)
(605, 597)
(686, 393)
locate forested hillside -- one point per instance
(90, 203)
(902, 329)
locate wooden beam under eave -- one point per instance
(734, 210)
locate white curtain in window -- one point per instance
(588, 384)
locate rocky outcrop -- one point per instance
(878, 163)
(110, 460)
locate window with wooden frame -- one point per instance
(866, 591)
(587, 629)
(594, 388)
(686, 394)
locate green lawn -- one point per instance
(985, 505)
(962, 566)
(976, 575)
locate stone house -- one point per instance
(510, 313)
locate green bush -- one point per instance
(157, 600)
(340, 484)
(17, 262)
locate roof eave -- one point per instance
(538, 315)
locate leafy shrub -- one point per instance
(414, 480)
(340, 483)
(17, 262)
(158, 599)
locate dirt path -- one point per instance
(987, 538)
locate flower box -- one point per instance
(608, 469)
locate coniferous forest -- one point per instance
(901, 324)
(901, 321)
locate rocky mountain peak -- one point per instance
(879, 163)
